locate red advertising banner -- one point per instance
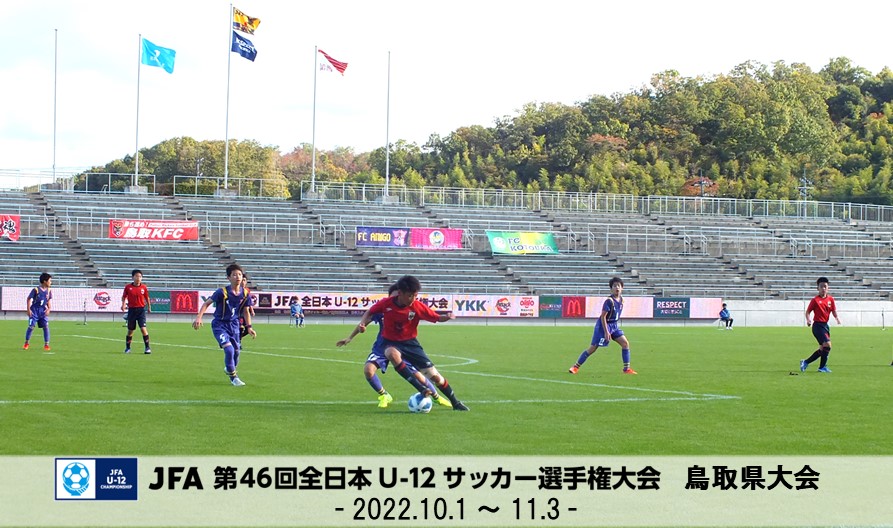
(184, 301)
(10, 226)
(428, 238)
(153, 229)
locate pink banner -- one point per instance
(427, 238)
(10, 226)
(153, 229)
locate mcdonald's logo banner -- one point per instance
(184, 301)
(573, 307)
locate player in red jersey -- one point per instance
(401, 316)
(822, 306)
(136, 301)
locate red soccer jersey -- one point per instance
(821, 308)
(402, 323)
(137, 296)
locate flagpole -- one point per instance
(55, 97)
(387, 134)
(229, 58)
(136, 166)
(313, 136)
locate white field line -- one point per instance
(670, 395)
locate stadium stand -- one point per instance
(580, 273)
(38, 248)
(452, 271)
(169, 264)
(878, 273)
(305, 267)
(310, 245)
(794, 277)
(691, 275)
(340, 219)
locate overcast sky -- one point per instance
(452, 64)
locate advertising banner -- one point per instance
(633, 307)
(382, 236)
(672, 307)
(67, 299)
(550, 306)
(10, 226)
(427, 238)
(184, 301)
(160, 301)
(522, 242)
(705, 307)
(153, 229)
(495, 306)
(575, 307)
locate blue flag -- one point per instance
(244, 47)
(157, 56)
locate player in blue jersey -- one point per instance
(726, 317)
(297, 313)
(608, 328)
(37, 306)
(230, 303)
(377, 360)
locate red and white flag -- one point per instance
(332, 64)
(10, 226)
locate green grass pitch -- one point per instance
(699, 391)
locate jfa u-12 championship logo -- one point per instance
(96, 479)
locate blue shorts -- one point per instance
(41, 321)
(411, 351)
(821, 332)
(136, 316)
(598, 334)
(378, 358)
(226, 332)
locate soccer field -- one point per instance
(699, 391)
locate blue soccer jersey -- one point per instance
(612, 308)
(40, 299)
(228, 305)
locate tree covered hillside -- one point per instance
(757, 131)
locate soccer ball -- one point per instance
(419, 403)
(76, 478)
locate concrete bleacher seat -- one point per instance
(304, 267)
(17, 203)
(252, 219)
(86, 215)
(165, 264)
(876, 271)
(794, 277)
(692, 275)
(569, 273)
(604, 233)
(454, 271)
(480, 219)
(22, 262)
(349, 215)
